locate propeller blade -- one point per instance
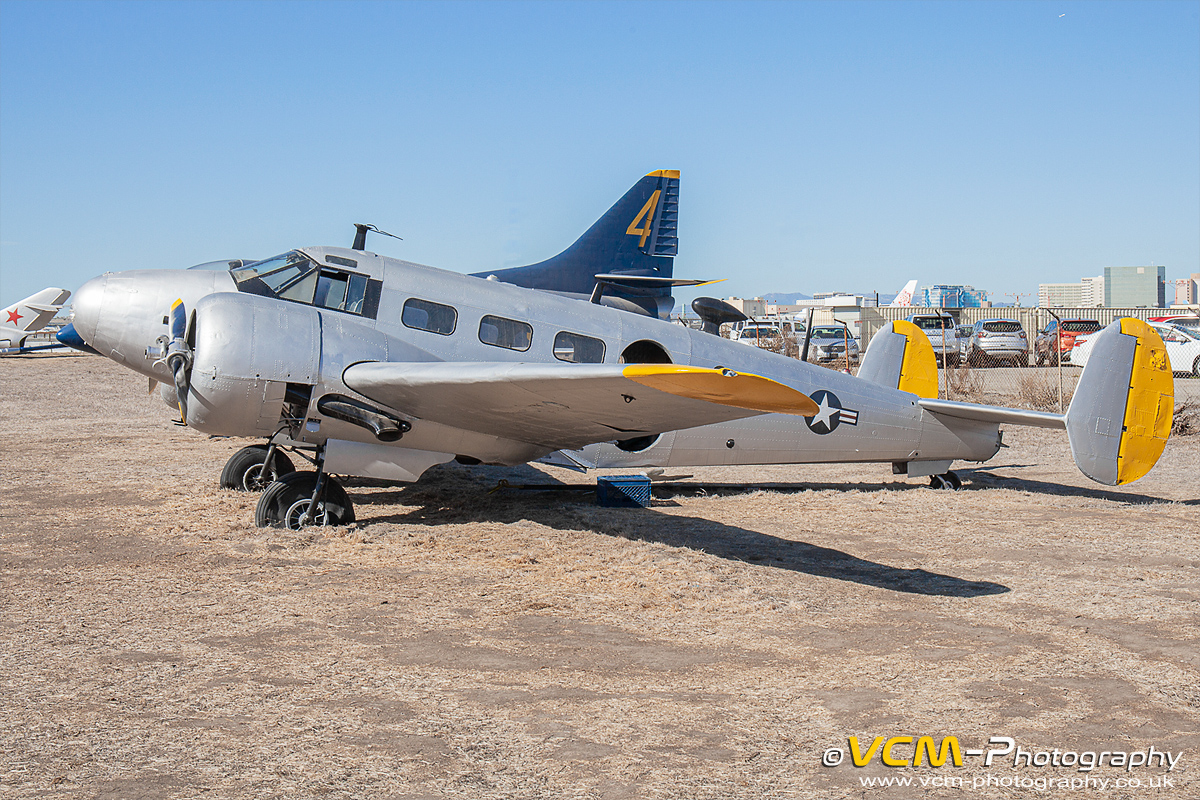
(179, 356)
(151, 387)
(179, 370)
(178, 319)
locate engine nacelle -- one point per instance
(246, 350)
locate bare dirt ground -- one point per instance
(461, 643)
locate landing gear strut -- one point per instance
(947, 480)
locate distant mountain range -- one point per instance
(784, 298)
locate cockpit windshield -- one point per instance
(295, 276)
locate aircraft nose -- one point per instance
(87, 302)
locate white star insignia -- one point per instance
(826, 412)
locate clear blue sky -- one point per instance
(822, 146)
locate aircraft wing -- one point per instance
(572, 405)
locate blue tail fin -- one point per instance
(637, 237)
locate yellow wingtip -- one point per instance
(1149, 406)
(724, 387)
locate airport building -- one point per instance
(751, 307)
(1135, 287)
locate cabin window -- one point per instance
(578, 349)
(426, 316)
(507, 333)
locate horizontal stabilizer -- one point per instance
(567, 406)
(997, 414)
(1120, 416)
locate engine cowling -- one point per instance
(247, 350)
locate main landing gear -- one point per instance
(247, 470)
(300, 499)
(947, 480)
(290, 499)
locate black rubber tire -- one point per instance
(946, 480)
(285, 500)
(1196, 367)
(240, 472)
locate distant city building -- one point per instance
(949, 296)
(1135, 287)
(1187, 290)
(1092, 293)
(1060, 295)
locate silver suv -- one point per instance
(996, 340)
(940, 330)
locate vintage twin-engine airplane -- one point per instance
(375, 367)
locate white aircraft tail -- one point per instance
(906, 295)
(32, 313)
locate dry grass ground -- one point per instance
(456, 643)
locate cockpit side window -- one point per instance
(293, 276)
(341, 291)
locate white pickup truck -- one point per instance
(940, 328)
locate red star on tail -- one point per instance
(13, 316)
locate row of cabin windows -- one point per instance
(510, 334)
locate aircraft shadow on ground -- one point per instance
(447, 498)
(984, 479)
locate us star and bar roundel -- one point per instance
(830, 413)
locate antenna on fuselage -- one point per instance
(360, 235)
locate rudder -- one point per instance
(638, 236)
(1120, 417)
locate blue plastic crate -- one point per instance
(623, 491)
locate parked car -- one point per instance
(1055, 341)
(829, 343)
(1190, 321)
(995, 340)
(760, 334)
(963, 335)
(940, 328)
(1183, 348)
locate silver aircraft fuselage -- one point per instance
(253, 348)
